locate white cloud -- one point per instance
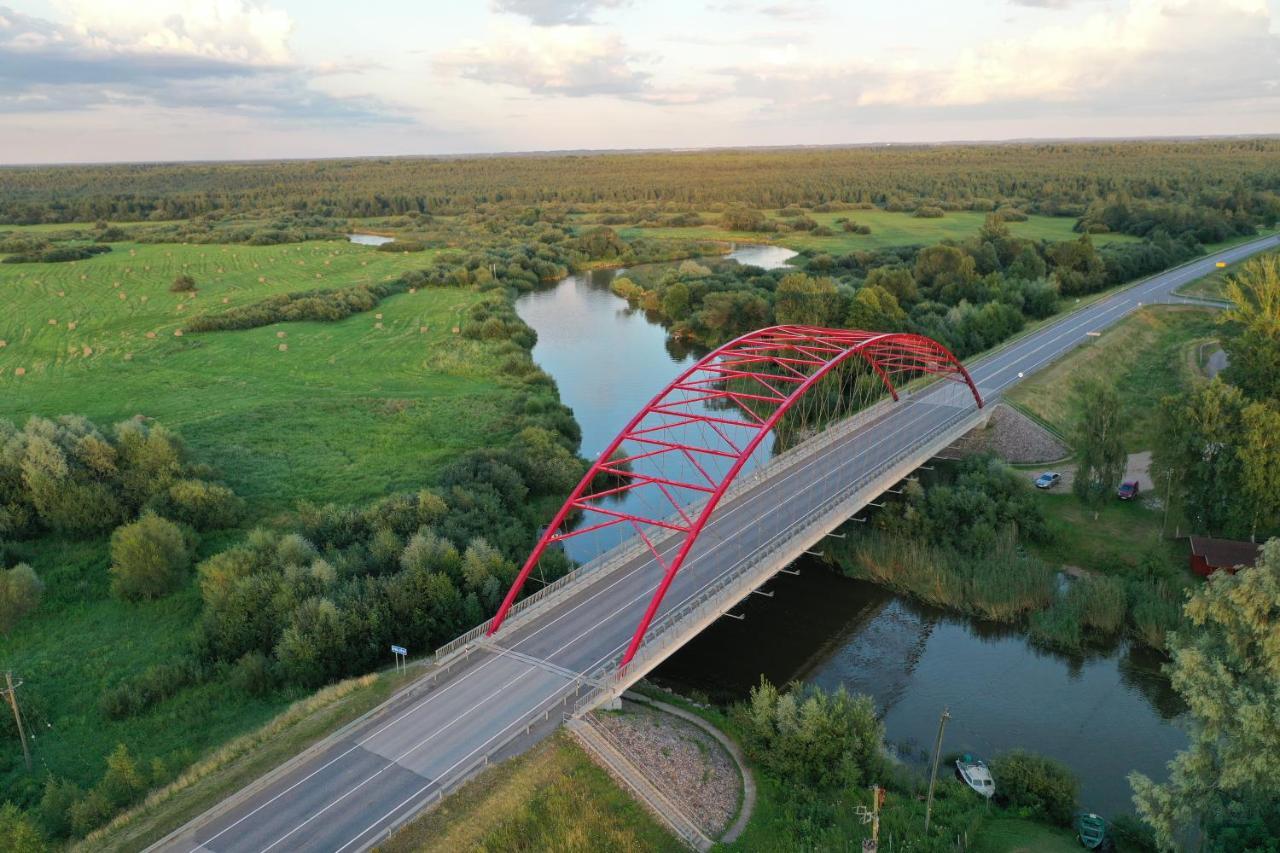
(547, 13)
(224, 56)
(569, 61)
(1156, 53)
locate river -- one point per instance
(1102, 716)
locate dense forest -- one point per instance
(1050, 178)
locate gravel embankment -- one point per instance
(1015, 438)
(685, 762)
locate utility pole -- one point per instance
(12, 691)
(933, 773)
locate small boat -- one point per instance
(1091, 830)
(974, 773)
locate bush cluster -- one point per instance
(56, 254)
(69, 476)
(1042, 786)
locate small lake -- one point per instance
(369, 239)
(1103, 716)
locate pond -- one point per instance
(1102, 716)
(369, 239)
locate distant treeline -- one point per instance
(1051, 178)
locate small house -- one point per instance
(1210, 555)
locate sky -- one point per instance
(146, 80)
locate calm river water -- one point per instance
(1103, 716)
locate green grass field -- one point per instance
(550, 798)
(325, 411)
(887, 229)
(1015, 835)
(342, 411)
(1147, 356)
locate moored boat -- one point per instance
(974, 773)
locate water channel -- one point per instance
(1103, 715)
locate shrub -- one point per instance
(1042, 785)
(20, 591)
(203, 505)
(148, 558)
(18, 832)
(253, 674)
(157, 683)
(402, 246)
(929, 212)
(183, 284)
(55, 805)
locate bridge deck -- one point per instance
(506, 692)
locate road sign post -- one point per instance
(400, 653)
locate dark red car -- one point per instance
(1128, 490)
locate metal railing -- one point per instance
(722, 592)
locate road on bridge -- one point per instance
(347, 792)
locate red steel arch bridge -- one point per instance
(712, 419)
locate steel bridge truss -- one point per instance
(709, 421)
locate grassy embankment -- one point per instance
(1214, 285)
(550, 798)
(342, 411)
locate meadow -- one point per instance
(888, 229)
(342, 411)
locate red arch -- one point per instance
(779, 365)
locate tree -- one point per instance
(940, 267)
(148, 557)
(20, 592)
(1259, 454)
(675, 301)
(897, 280)
(1253, 323)
(874, 308)
(1077, 266)
(1098, 443)
(18, 832)
(1228, 672)
(804, 300)
(183, 284)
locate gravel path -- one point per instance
(681, 759)
(1013, 437)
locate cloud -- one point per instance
(559, 61)
(229, 57)
(547, 13)
(1156, 55)
(1044, 4)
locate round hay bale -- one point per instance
(53, 322)
(413, 290)
(63, 292)
(122, 296)
(283, 348)
(319, 276)
(72, 325)
(457, 331)
(115, 284)
(182, 307)
(142, 298)
(281, 335)
(19, 371)
(88, 351)
(422, 330)
(3, 344)
(377, 316)
(225, 300)
(377, 325)
(262, 279)
(128, 356)
(177, 333)
(151, 335)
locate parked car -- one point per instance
(1048, 480)
(1128, 490)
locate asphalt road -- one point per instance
(346, 794)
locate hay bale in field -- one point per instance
(457, 331)
(262, 279)
(128, 356)
(19, 371)
(123, 296)
(3, 344)
(88, 351)
(142, 298)
(177, 333)
(53, 322)
(377, 316)
(422, 330)
(225, 300)
(151, 335)
(377, 325)
(284, 348)
(413, 290)
(281, 335)
(72, 325)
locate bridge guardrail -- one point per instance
(719, 594)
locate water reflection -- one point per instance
(1102, 715)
